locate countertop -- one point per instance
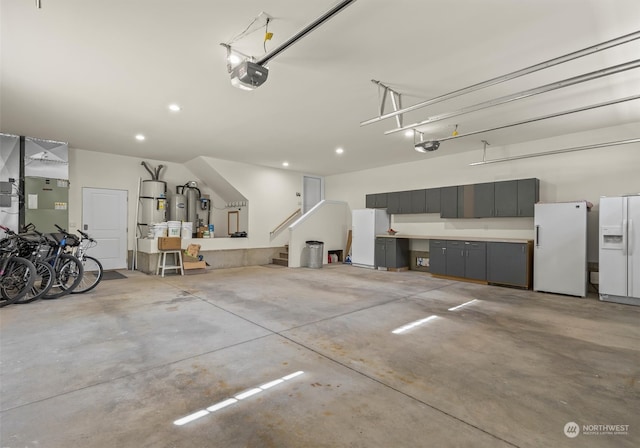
(456, 238)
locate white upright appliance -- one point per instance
(560, 252)
(620, 249)
(365, 225)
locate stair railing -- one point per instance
(285, 222)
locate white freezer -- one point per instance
(365, 225)
(560, 251)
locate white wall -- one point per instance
(328, 222)
(271, 195)
(564, 177)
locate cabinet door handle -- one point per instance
(443, 250)
(497, 212)
(537, 235)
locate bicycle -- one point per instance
(31, 249)
(67, 268)
(92, 267)
(17, 275)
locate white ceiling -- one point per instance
(95, 73)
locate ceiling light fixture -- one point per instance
(408, 133)
(339, 151)
(423, 145)
(285, 164)
(140, 137)
(174, 108)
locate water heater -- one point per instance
(152, 203)
(178, 208)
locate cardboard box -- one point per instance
(169, 243)
(194, 265)
(192, 250)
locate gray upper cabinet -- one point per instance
(516, 197)
(377, 200)
(501, 199)
(483, 200)
(432, 196)
(506, 198)
(370, 201)
(528, 195)
(449, 202)
(418, 201)
(399, 202)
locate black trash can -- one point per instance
(315, 249)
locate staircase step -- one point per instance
(280, 261)
(284, 255)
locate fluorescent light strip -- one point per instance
(190, 418)
(222, 404)
(464, 304)
(230, 401)
(248, 393)
(413, 324)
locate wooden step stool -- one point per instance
(162, 261)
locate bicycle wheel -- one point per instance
(91, 276)
(68, 275)
(17, 280)
(44, 279)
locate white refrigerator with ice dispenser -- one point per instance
(365, 225)
(619, 264)
(560, 250)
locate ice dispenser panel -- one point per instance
(612, 237)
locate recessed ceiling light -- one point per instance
(408, 133)
(339, 151)
(174, 108)
(140, 137)
(285, 163)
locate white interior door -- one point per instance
(104, 217)
(312, 192)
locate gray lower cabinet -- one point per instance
(380, 252)
(510, 263)
(455, 258)
(475, 264)
(438, 257)
(464, 259)
(392, 252)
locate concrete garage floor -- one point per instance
(116, 367)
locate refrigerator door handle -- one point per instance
(537, 236)
(625, 236)
(630, 237)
